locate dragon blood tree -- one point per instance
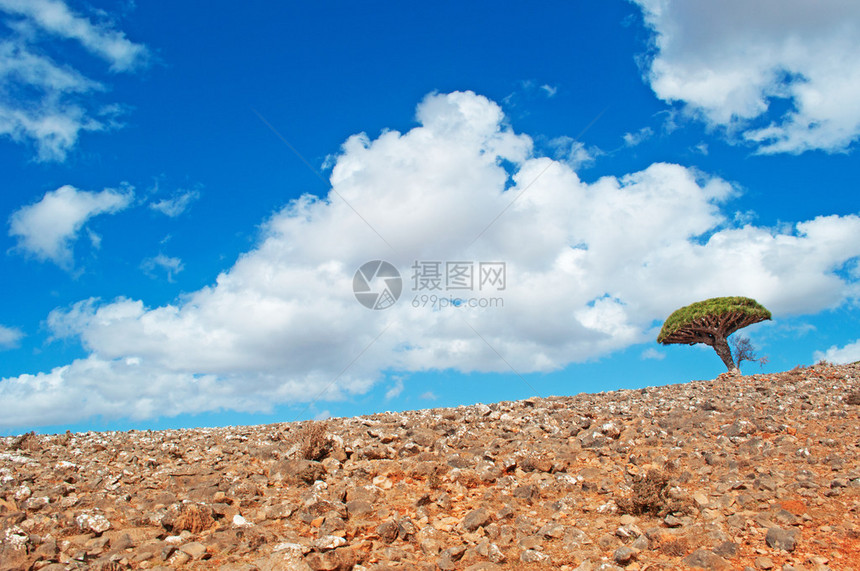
(711, 322)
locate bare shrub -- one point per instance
(27, 441)
(743, 350)
(650, 496)
(314, 442)
(194, 518)
(676, 547)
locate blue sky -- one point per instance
(187, 195)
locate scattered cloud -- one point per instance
(574, 153)
(47, 103)
(395, 389)
(161, 263)
(429, 395)
(549, 90)
(590, 267)
(731, 63)
(9, 337)
(840, 355)
(48, 228)
(529, 90)
(633, 139)
(176, 205)
(652, 353)
(744, 217)
(323, 415)
(55, 18)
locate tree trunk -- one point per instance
(721, 346)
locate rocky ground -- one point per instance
(759, 472)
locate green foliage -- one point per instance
(713, 307)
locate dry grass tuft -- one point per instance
(194, 518)
(27, 441)
(650, 496)
(314, 442)
(676, 547)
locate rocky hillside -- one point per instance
(759, 472)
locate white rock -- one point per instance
(240, 521)
(93, 522)
(328, 542)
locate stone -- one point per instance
(779, 538)
(624, 555)
(706, 559)
(483, 566)
(726, 549)
(388, 531)
(94, 522)
(303, 471)
(533, 556)
(328, 542)
(195, 549)
(475, 519)
(358, 508)
(284, 560)
(341, 559)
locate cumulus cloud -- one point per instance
(48, 228)
(840, 355)
(590, 268)
(731, 62)
(9, 337)
(45, 102)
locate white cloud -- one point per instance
(574, 153)
(47, 103)
(429, 395)
(633, 139)
(728, 62)
(54, 17)
(175, 206)
(48, 228)
(840, 355)
(395, 389)
(168, 264)
(549, 90)
(56, 121)
(9, 337)
(590, 267)
(652, 353)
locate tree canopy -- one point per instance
(711, 321)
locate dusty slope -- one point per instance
(760, 471)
